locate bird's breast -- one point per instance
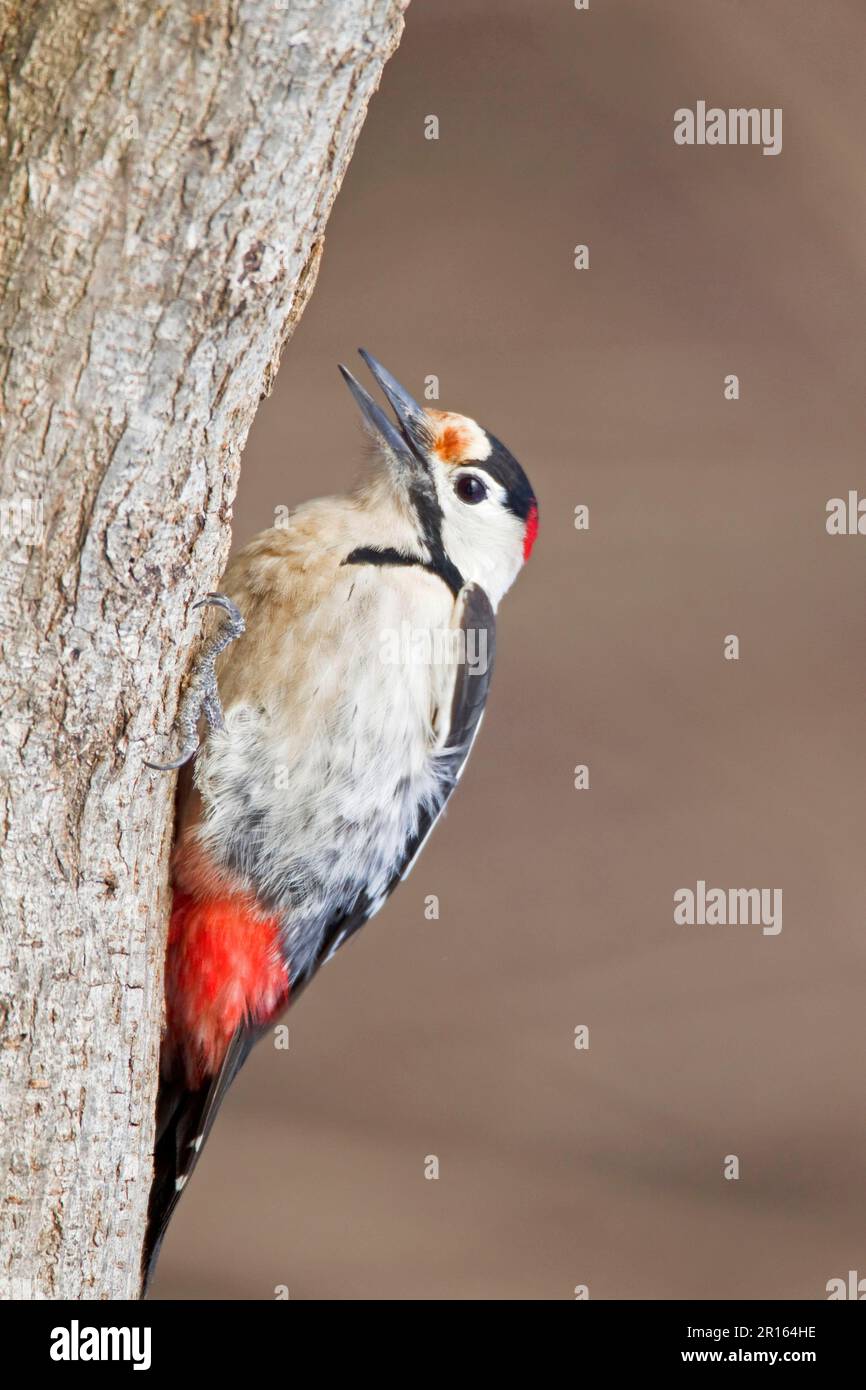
(311, 793)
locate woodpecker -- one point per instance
(326, 762)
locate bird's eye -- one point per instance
(470, 488)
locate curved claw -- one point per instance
(174, 764)
(202, 695)
(222, 601)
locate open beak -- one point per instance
(411, 436)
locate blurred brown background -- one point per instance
(455, 1037)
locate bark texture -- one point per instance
(167, 171)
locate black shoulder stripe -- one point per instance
(440, 565)
(374, 555)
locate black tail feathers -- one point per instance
(183, 1122)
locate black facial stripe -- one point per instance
(440, 565)
(505, 470)
(429, 513)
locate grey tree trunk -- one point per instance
(167, 172)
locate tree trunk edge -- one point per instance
(138, 333)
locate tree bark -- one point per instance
(167, 173)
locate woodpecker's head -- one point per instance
(471, 504)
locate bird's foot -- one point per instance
(201, 695)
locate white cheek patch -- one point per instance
(485, 541)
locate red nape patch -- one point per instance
(531, 532)
(223, 967)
